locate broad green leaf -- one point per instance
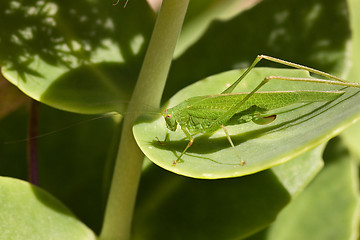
(28, 212)
(186, 208)
(79, 56)
(327, 209)
(295, 131)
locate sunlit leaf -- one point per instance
(295, 130)
(28, 212)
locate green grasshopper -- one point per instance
(207, 114)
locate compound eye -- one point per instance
(166, 110)
(168, 116)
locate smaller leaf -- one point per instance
(28, 212)
(327, 209)
(295, 131)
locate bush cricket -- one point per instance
(207, 114)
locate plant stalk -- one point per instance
(153, 74)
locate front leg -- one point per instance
(165, 140)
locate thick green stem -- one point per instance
(121, 201)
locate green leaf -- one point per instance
(186, 208)
(327, 209)
(79, 56)
(28, 212)
(296, 129)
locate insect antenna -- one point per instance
(81, 122)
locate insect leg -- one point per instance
(290, 64)
(298, 66)
(163, 142)
(242, 162)
(232, 87)
(314, 80)
(188, 135)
